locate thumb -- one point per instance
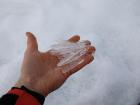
(31, 42)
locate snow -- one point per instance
(113, 26)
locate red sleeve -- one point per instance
(24, 97)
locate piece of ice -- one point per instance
(69, 53)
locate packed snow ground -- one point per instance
(113, 26)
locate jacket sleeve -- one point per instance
(21, 96)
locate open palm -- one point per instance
(40, 71)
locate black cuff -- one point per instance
(36, 95)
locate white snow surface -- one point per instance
(113, 26)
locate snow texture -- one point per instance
(113, 26)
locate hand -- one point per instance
(39, 71)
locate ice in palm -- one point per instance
(69, 53)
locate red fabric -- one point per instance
(24, 97)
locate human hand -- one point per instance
(39, 71)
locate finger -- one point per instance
(86, 60)
(82, 63)
(90, 49)
(74, 38)
(31, 42)
(86, 42)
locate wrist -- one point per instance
(31, 87)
